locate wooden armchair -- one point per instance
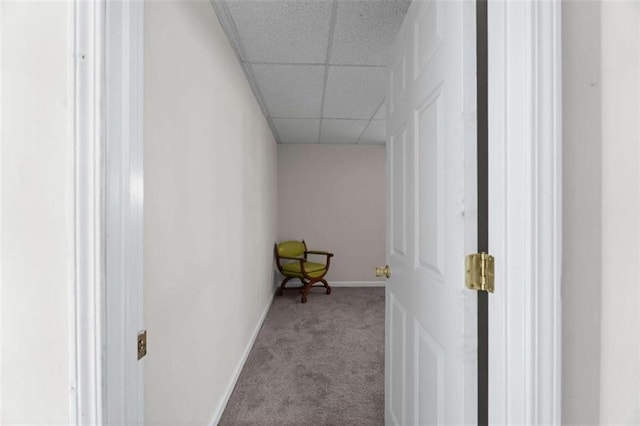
(291, 258)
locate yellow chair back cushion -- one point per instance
(291, 248)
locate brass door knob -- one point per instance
(383, 271)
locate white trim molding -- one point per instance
(1, 210)
(106, 381)
(124, 202)
(217, 415)
(357, 283)
(86, 381)
(525, 211)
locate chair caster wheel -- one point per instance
(329, 290)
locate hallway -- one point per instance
(316, 363)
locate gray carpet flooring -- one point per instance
(318, 363)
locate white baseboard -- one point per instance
(356, 283)
(236, 374)
(278, 279)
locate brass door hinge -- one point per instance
(479, 272)
(142, 343)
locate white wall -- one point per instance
(210, 213)
(36, 231)
(332, 196)
(601, 295)
(582, 219)
(620, 291)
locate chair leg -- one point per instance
(326, 285)
(306, 289)
(281, 289)
(308, 285)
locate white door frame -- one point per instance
(525, 208)
(524, 202)
(106, 380)
(124, 201)
(86, 313)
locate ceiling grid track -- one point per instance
(332, 27)
(373, 117)
(228, 25)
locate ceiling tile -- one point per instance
(290, 91)
(297, 130)
(283, 31)
(365, 31)
(354, 92)
(341, 131)
(284, 44)
(375, 133)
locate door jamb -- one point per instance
(525, 137)
(86, 298)
(124, 215)
(107, 76)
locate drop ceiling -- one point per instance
(318, 68)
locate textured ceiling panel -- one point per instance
(341, 131)
(283, 31)
(283, 46)
(375, 133)
(354, 92)
(365, 31)
(291, 91)
(297, 130)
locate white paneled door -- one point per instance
(431, 338)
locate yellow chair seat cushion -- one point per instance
(311, 268)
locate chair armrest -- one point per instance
(326, 253)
